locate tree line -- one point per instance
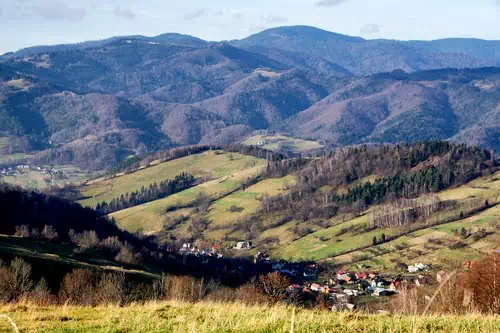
(146, 194)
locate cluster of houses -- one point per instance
(189, 249)
(342, 288)
(15, 170)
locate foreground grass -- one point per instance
(217, 317)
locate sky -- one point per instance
(43, 22)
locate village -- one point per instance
(23, 168)
(342, 289)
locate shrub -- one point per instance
(185, 288)
(274, 285)
(77, 287)
(235, 209)
(457, 245)
(49, 233)
(483, 281)
(127, 255)
(112, 288)
(15, 280)
(87, 240)
(111, 244)
(23, 231)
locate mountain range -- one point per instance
(93, 103)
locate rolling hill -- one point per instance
(245, 198)
(364, 57)
(92, 104)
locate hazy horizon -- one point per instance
(49, 22)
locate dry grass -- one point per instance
(175, 316)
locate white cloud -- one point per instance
(55, 10)
(274, 19)
(124, 13)
(370, 29)
(330, 3)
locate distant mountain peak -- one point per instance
(304, 31)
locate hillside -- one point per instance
(93, 104)
(438, 105)
(241, 199)
(233, 226)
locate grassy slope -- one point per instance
(281, 142)
(210, 164)
(248, 200)
(229, 174)
(331, 243)
(175, 316)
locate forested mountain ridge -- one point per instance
(92, 104)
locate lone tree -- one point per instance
(374, 241)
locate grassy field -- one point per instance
(246, 200)
(175, 316)
(282, 143)
(150, 216)
(211, 164)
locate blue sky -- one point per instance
(34, 22)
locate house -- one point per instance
(395, 285)
(324, 290)
(351, 292)
(416, 268)
(343, 277)
(243, 245)
(340, 274)
(315, 287)
(361, 275)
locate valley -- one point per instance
(291, 180)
